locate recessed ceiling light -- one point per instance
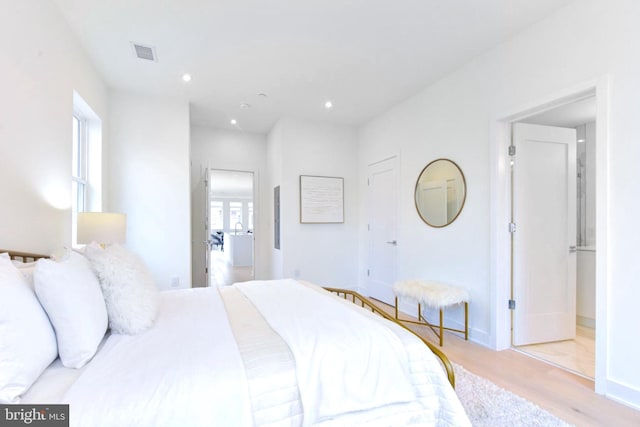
(262, 95)
(244, 105)
(186, 77)
(233, 121)
(328, 104)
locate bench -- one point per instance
(435, 295)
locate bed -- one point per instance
(260, 353)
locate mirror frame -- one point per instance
(464, 199)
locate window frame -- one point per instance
(80, 168)
(86, 158)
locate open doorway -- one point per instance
(556, 291)
(230, 227)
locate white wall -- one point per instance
(581, 43)
(275, 159)
(321, 253)
(149, 181)
(41, 63)
(241, 151)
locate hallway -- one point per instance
(222, 273)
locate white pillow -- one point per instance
(130, 293)
(70, 293)
(27, 269)
(28, 343)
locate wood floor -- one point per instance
(566, 395)
(577, 355)
(222, 273)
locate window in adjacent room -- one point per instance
(86, 167)
(217, 215)
(235, 216)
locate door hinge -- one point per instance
(512, 227)
(512, 304)
(368, 273)
(512, 150)
(368, 227)
(368, 182)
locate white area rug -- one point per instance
(491, 406)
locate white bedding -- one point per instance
(340, 369)
(179, 375)
(185, 371)
(433, 402)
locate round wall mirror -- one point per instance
(440, 192)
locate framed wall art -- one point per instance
(321, 199)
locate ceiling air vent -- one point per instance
(145, 52)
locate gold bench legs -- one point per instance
(441, 328)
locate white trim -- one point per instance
(602, 234)
(500, 139)
(622, 393)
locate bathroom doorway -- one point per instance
(230, 227)
(575, 350)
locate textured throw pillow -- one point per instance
(70, 294)
(28, 343)
(130, 293)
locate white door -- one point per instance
(207, 229)
(544, 213)
(382, 229)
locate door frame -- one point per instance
(500, 244)
(256, 212)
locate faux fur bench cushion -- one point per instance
(432, 294)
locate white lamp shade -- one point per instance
(102, 227)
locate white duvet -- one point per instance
(345, 363)
(185, 371)
(347, 357)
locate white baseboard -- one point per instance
(586, 322)
(624, 394)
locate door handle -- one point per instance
(393, 242)
(573, 249)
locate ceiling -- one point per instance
(288, 57)
(230, 184)
(569, 115)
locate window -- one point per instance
(217, 215)
(79, 170)
(86, 162)
(235, 215)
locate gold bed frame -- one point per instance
(24, 256)
(355, 298)
(365, 302)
